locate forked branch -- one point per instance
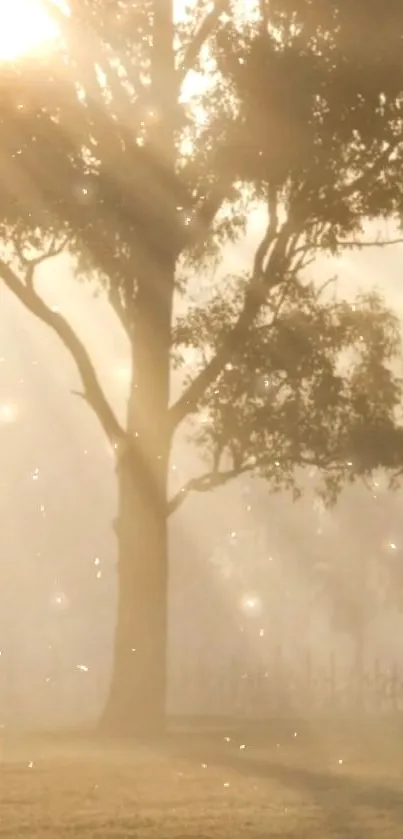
(56, 247)
(93, 393)
(256, 296)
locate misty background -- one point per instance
(245, 566)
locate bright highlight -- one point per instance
(25, 27)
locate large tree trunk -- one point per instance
(137, 696)
(136, 701)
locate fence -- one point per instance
(282, 687)
(304, 687)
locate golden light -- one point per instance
(251, 604)
(25, 27)
(8, 413)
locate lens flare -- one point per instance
(25, 27)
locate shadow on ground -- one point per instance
(292, 780)
(352, 796)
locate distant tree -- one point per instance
(103, 155)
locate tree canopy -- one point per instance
(108, 151)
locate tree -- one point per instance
(104, 156)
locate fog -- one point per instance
(242, 589)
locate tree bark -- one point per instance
(136, 700)
(137, 697)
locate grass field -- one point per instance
(294, 781)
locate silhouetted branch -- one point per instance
(199, 38)
(204, 483)
(208, 208)
(372, 243)
(215, 479)
(255, 297)
(55, 248)
(330, 281)
(362, 181)
(269, 236)
(118, 307)
(93, 393)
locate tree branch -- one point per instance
(93, 393)
(118, 307)
(30, 265)
(200, 37)
(269, 236)
(204, 483)
(206, 210)
(255, 297)
(374, 243)
(375, 170)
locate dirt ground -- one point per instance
(294, 781)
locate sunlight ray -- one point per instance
(25, 27)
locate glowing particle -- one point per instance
(8, 413)
(84, 192)
(60, 600)
(263, 385)
(251, 604)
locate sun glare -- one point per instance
(25, 27)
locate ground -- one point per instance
(288, 781)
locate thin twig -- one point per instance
(373, 243)
(204, 483)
